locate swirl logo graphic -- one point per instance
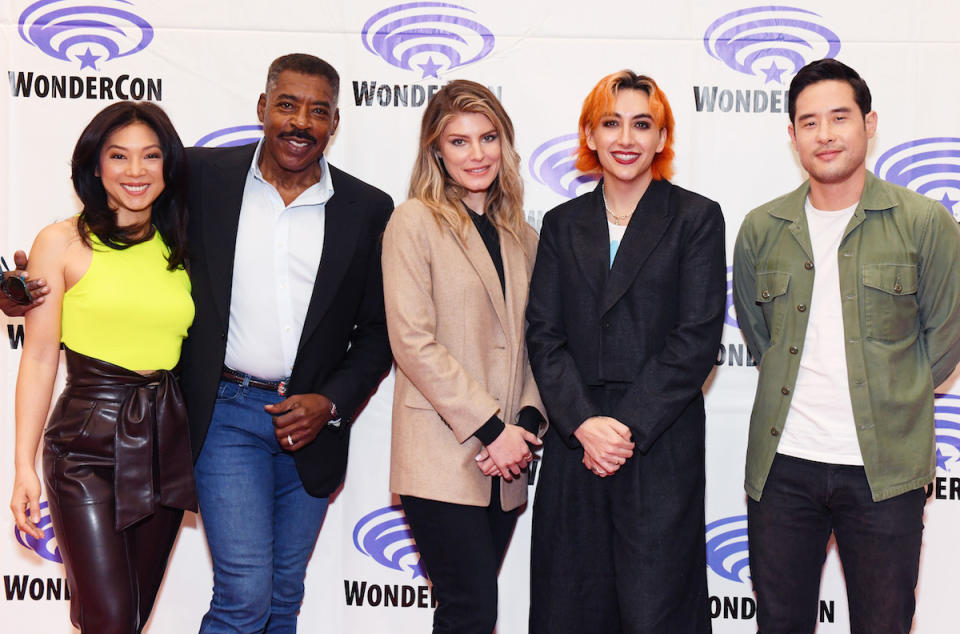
(552, 164)
(928, 166)
(946, 416)
(84, 31)
(727, 553)
(46, 547)
(385, 536)
(747, 39)
(428, 36)
(229, 137)
(730, 314)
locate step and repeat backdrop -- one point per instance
(725, 67)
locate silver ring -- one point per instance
(598, 471)
(289, 440)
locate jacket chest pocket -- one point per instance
(890, 301)
(772, 297)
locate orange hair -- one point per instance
(601, 101)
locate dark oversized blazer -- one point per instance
(345, 311)
(650, 324)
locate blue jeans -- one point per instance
(878, 542)
(261, 524)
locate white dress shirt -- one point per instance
(275, 266)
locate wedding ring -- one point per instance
(289, 440)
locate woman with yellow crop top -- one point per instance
(116, 455)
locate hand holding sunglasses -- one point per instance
(19, 295)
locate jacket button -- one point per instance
(765, 294)
(774, 432)
(802, 308)
(794, 350)
(606, 324)
(897, 288)
(808, 265)
(784, 390)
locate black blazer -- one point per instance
(650, 325)
(344, 351)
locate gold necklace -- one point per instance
(617, 220)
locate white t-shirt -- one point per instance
(820, 424)
(616, 236)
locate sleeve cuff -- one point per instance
(530, 419)
(489, 431)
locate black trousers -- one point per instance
(461, 548)
(878, 542)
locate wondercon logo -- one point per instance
(928, 166)
(752, 41)
(427, 37)
(727, 553)
(730, 314)
(85, 31)
(229, 137)
(385, 536)
(946, 416)
(46, 546)
(552, 164)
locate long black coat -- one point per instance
(635, 342)
(344, 350)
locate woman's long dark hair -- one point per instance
(169, 211)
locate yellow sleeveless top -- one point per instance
(128, 309)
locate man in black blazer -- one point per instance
(269, 409)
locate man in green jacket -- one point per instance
(847, 293)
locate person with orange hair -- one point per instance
(624, 320)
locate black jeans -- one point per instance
(878, 542)
(462, 548)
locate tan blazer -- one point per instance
(460, 353)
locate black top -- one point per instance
(491, 239)
(529, 420)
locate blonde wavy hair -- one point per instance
(432, 185)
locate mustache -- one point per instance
(298, 134)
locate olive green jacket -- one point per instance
(899, 262)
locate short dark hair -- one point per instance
(306, 64)
(827, 69)
(169, 210)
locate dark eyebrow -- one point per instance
(114, 146)
(644, 115)
(841, 110)
(454, 135)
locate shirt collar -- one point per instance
(317, 194)
(875, 197)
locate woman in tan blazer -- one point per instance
(457, 259)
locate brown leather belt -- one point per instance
(280, 387)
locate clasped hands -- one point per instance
(606, 444)
(509, 454)
(298, 419)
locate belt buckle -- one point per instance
(282, 388)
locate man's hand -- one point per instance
(606, 444)
(298, 419)
(38, 288)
